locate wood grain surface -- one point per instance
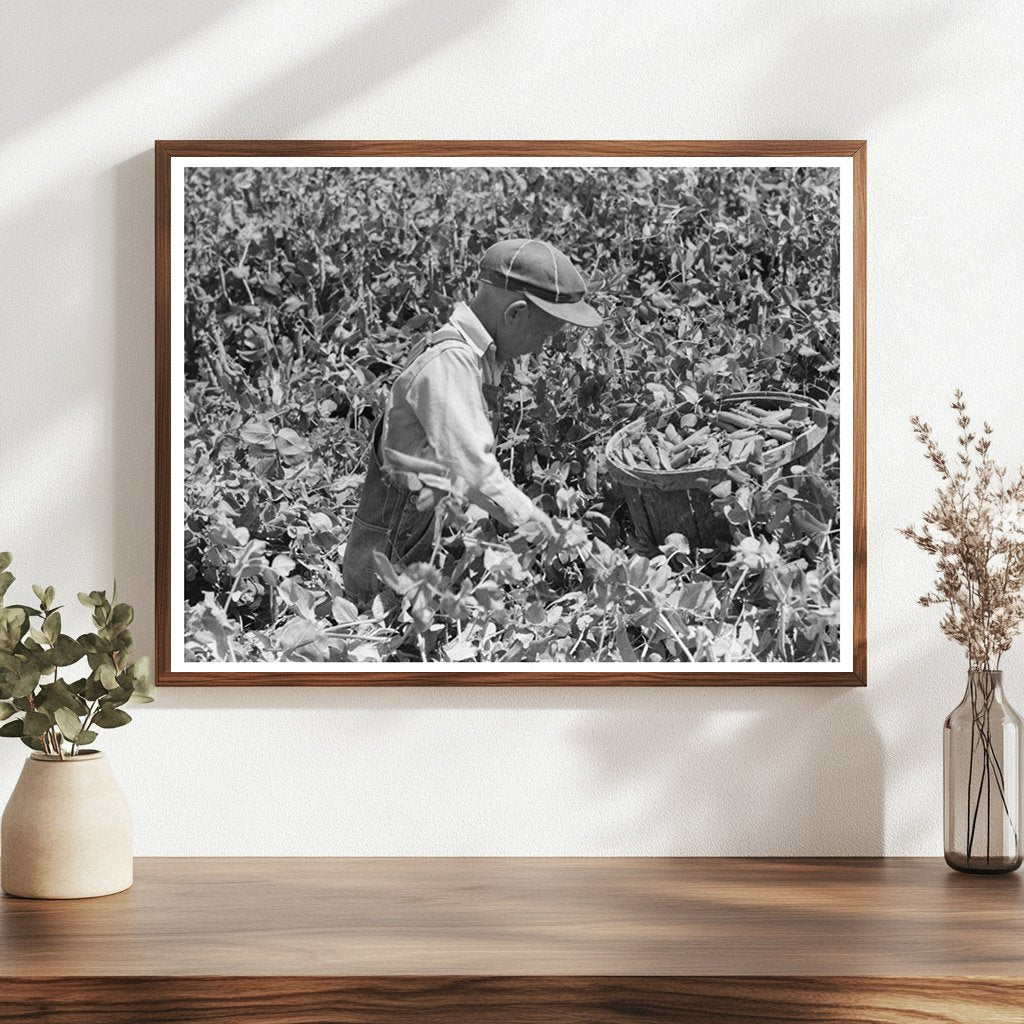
(536, 1000)
(290, 940)
(501, 916)
(166, 150)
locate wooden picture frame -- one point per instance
(848, 282)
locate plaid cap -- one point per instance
(545, 275)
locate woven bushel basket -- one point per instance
(662, 501)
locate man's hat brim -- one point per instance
(579, 313)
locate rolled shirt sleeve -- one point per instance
(445, 394)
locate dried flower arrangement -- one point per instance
(975, 529)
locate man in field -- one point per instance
(445, 406)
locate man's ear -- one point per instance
(514, 310)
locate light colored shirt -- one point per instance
(436, 410)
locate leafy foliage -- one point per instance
(306, 288)
(55, 716)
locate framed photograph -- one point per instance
(491, 413)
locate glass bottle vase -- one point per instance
(981, 774)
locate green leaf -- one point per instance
(89, 600)
(27, 681)
(107, 676)
(115, 698)
(622, 641)
(386, 571)
(142, 679)
(123, 641)
(122, 616)
(6, 710)
(38, 635)
(14, 615)
(36, 723)
(13, 624)
(86, 736)
(5, 560)
(69, 724)
(31, 741)
(50, 595)
(94, 689)
(40, 593)
(95, 660)
(535, 614)
(59, 695)
(6, 579)
(15, 728)
(111, 718)
(51, 626)
(66, 651)
(260, 435)
(93, 644)
(30, 612)
(291, 444)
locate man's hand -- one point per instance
(546, 529)
(415, 473)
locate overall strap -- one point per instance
(492, 393)
(445, 334)
(441, 334)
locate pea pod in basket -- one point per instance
(742, 432)
(672, 472)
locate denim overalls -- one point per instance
(387, 519)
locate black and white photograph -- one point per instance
(526, 414)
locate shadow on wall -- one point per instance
(809, 54)
(49, 64)
(698, 771)
(132, 407)
(52, 38)
(395, 38)
(752, 771)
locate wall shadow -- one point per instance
(749, 771)
(132, 411)
(397, 37)
(808, 54)
(51, 39)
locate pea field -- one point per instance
(307, 286)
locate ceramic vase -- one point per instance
(66, 831)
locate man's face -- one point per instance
(524, 329)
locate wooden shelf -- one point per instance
(503, 940)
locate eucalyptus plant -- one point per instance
(46, 712)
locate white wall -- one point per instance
(936, 88)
